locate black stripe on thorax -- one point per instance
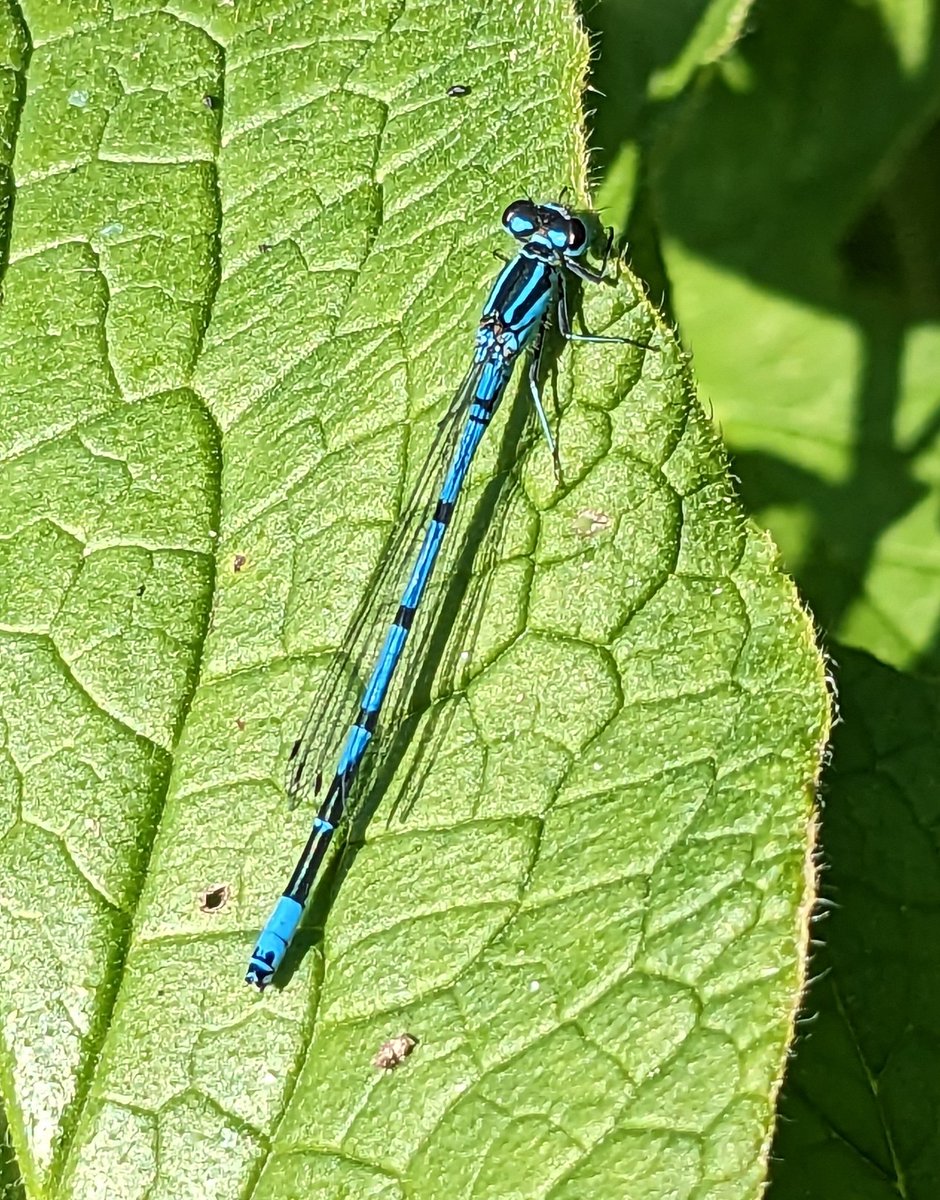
(529, 281)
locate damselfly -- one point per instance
(528, 290)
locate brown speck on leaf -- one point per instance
(239, 722)
(239, 562)
(394, 1052)
(215, 898)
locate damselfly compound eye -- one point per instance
(521, 219)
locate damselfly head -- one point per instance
(565, 233)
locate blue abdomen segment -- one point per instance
(356, 742)
(273, 941)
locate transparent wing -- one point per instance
(446, 651)
(336, 701)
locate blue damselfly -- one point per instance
(530, 288)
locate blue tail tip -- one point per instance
(271, 946)
(261, 969)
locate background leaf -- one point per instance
(246, 249)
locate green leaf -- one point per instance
(247, 254)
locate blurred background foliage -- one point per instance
(776, 169)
